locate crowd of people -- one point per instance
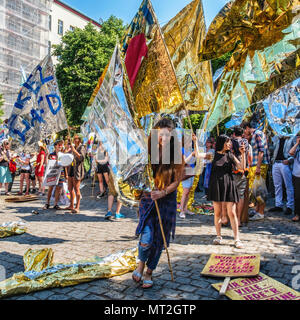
(234, 165)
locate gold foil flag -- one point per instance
(264, 38)
(184, 36)
(149, 68)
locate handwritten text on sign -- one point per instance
(232, 266)
(260, 287)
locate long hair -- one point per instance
(165, 174)
(221, 140)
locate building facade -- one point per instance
(28, 29)
(24, 40)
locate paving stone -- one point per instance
(114, 295)
(183, 280)
(78, 294)
(42, 295)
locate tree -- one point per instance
(1, 104)
(82, 57)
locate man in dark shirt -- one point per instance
(281, 172)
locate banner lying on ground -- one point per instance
(260, 287)
(41, 274)
(38, 111)
(222, 265)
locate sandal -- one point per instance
(217, 240)
(57, 207)
(74, 211)
(238, 244)
(46, 206)
(136, 274)
(147, 284)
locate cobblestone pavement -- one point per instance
(74, 237)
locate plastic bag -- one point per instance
(259, 190)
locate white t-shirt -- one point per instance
(25, 157)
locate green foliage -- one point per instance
(82, 57)
(221, 61)
(1, 104)
(196, 120)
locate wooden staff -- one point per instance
(161, 226)
(93, 187)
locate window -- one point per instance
(72, 28)
(60, 27)
(50, 22)
(49, 47)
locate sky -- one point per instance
(126, 9)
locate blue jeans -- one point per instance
(147, 252)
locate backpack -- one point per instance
(12, 166)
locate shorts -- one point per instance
(111, 186)
(102, 168)
(263, 174)
(188, 183)
(5, 175)
(241, 184)
(25, 171)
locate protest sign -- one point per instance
(231, 266)
(220, 265)
(52, 173)
(260, 287)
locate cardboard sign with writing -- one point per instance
(222, 265)
(52, 173)
(260, 287)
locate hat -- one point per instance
(42, 145)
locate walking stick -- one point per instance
(93, 188)
(161, 227)
(164, 238)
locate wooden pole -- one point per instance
(164, 239)
(160, 224)
(225, 284)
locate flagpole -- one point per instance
(161, 226)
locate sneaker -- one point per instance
(217, 240)
(191, 213)
(257, 216)
(238, 244)
(108, 215)
(100, 195)
(182, 215)
(252, 212)
(288, 211)
(275, 209)
(119, 216)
